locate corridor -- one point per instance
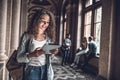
(79, 18)
(68, 73)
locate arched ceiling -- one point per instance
(52, 5)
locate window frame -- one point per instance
(93, 7)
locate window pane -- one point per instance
(98, 15)
(88, 3)
(87, 30)
(88, 18)
(97, 34)
(87, 25)
(97, 25)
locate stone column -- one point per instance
(79, 25)
(3, 20)
(106, 39)
(24, 16)
(3, 16)
(15, 24)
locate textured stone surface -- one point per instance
(68, 73)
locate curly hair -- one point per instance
(50, 31)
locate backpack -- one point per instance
(15, 69)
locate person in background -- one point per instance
(92, 50)
(42, 31)
(66, 50)
(82, 50)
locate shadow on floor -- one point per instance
(68, 73)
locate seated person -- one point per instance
(92, 50)
(83, 50)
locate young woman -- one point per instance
(41, 32)
(82, 51)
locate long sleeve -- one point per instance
(22, 52)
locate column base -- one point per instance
(3, 57)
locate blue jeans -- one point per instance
(65, 59)
(36, 73)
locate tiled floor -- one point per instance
(68, 73)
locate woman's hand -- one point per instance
(36, 53)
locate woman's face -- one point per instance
(43, 23)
